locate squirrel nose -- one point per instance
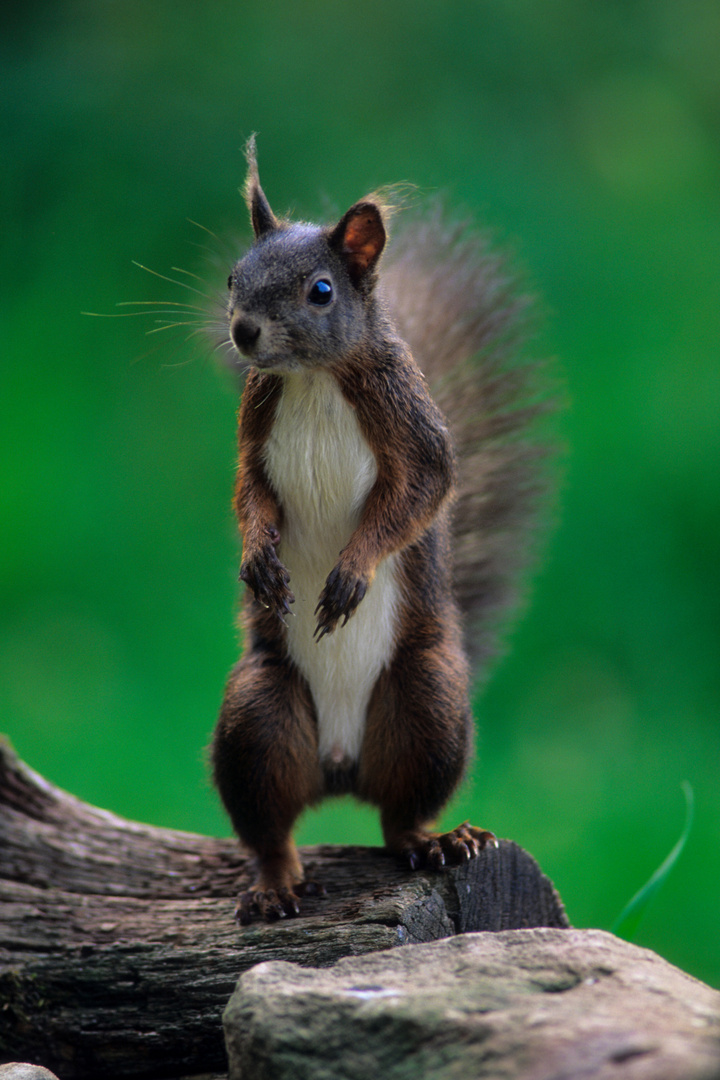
(244, 333)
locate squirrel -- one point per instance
(354, 677)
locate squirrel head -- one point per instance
(302, 296)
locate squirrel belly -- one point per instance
(322, 469)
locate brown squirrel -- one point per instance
(354, 675)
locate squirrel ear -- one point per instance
(262, 218)
(359, 238)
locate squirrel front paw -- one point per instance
(338, 600)
(268, 579)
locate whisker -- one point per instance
(205, 229)
(164, 277)
(205, 324)
(224, 244)
(170, 325)
(145, 314)
(188, 273)
(180, 363)
(161, 303)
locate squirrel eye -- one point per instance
(321, 293)
(230, 282)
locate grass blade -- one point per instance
(625, 926)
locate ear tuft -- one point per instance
(359, 238)
(262, 218)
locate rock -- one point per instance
(537, 1004)
(20, 1070)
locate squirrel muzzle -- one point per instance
(245, 334)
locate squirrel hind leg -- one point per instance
(265, 766)
(422, 848)
(416, 746)
(274, 893)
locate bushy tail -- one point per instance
(459, 308)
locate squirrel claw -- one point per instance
(270, 905)
(436, 850)
(321, 630)
(274, 904)
(268, 580)
(338, 600)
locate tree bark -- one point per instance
(118, 947)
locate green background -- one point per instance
(586, 135)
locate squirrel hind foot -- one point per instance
(433, 851)
(273, 904)
(270, 905)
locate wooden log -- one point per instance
(118, 946)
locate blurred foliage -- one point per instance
(586, 135)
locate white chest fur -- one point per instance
(322, 470)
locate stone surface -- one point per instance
(539, 1004)
(20, 1070)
